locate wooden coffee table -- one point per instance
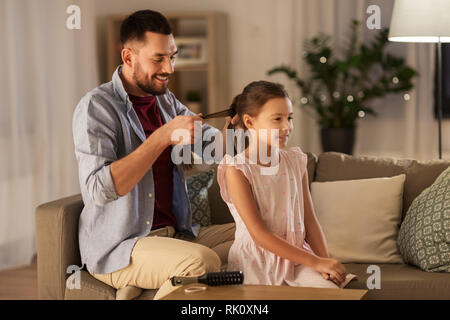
(258, 292)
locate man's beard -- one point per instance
(145, 85)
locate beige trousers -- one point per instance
(164, 254)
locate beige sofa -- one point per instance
(57, 232)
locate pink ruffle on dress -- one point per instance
(280, 202)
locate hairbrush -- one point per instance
(212, 279)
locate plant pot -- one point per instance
(338, 139)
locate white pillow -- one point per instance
(360, 218)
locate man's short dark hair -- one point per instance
(135, 25)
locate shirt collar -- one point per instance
(119, 89)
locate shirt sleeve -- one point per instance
(95, 139)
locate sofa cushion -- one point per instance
(311, 167)
(401, 281)
(197, 186)
(332, 166)
(90, 289)
(220, 213)
(424, 237)
(419, 176)
(360, 218)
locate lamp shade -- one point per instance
(420, 21)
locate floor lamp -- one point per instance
(423, 21)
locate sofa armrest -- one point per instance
(57, 244)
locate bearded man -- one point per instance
(136, 230)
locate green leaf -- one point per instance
(354, 71)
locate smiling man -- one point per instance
(135, 230)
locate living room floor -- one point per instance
(20, 283)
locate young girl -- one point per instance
(278, 239)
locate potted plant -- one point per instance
(194, 101)
(341, 86)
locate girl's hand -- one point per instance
(326, 276)
(331, 269)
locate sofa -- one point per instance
(57, 232)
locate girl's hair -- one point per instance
(254, 96)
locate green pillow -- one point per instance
(424, 236)
(198, 186)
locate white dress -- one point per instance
(280, 202)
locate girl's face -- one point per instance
(275, 116)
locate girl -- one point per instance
(278, 239)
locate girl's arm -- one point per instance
(314, 234)
(242, 197)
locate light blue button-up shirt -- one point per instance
(105, 129)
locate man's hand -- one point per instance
(181, 122)
(228, 121)
(234, 121)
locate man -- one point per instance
(136, 206)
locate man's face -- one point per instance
(154, 62)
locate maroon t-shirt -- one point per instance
(150, 118)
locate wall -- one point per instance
(266, 33)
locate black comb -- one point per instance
(223, 278)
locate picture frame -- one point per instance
(191, 51)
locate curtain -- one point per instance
(46, 69)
